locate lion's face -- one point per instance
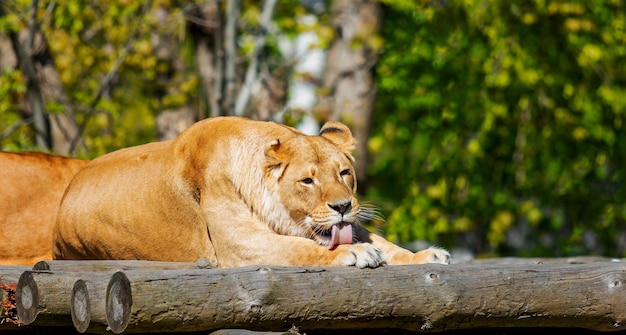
(317, 182)
(317, 188)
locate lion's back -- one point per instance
(32, 187)
(127, 205)
(144, 202)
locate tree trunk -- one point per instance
(52, 131)
(252, 72)
(23, 53)
(233, 8)
(349, 74)
(170, 123)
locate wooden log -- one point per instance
(48, 293)
(416, 298)
(9, 276)
(88, 307)
(116, 265)
(119, 302)
(542, 260)
(45, 297)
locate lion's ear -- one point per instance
(340, 135)
(276, 158)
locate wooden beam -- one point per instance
(416, 298)
(586, 294)
(43, 298)
(116, 265)
(88, 302)
(9, 275)
(47, 294)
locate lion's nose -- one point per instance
(342, 208)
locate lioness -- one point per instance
(32, 187)
(234, 191)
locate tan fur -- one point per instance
(235, 191)
(32, 188)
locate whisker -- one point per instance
(313, 233)
(370, 212)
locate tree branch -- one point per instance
(230, 53)
(35, 98)
(253, 68)
(21, 122)
(32, 28)
(107, 81)
(218, 67)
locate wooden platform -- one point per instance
(504, 296)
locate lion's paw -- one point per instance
(431, 255)
(363, 255)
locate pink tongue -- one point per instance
(341, 233)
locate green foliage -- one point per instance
(502, 122)
(148, 47)
(499, 124)
(86, 40)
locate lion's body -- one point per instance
(32, 187)
(231, 190)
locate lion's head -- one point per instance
(315, 181)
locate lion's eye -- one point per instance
(307, 181)
(345, 172)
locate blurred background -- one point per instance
(493, 127)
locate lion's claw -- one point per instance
(363, 255)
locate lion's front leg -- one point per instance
(431, 255)
(361, 255)
(274, 249)
(244, 243)
(396, 255)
